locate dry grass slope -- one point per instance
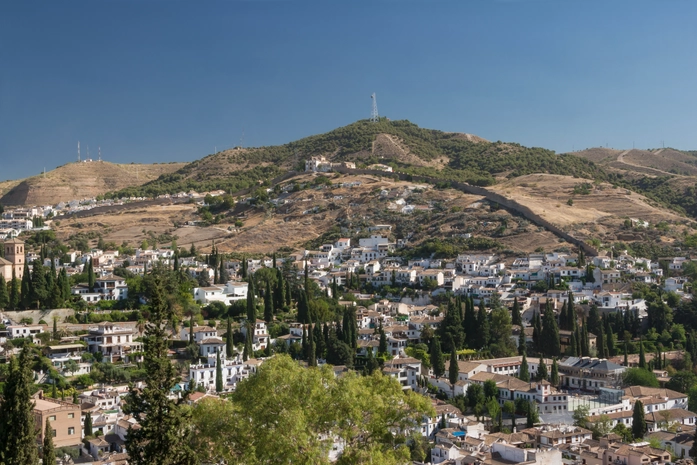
(80, 180)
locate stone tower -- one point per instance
(14, 253)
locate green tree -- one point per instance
(593, 320)
(554, 378)
(229, 347)
(17, 431)
(542, 373)
(91, 278)
(453, 368)
(642, 355)
(49, 454)
(4, 296)
(165, 433)
(437, 361)
(515, 313)
(482, 334)
(580, 416)
(639, 377)
(682, 381)
(639, 428)
(218, 373)
(524, 369)
(268, 303)
(550, 333)
(382, 345)
(15, 293)
(26, 292)
(490, 389)
(251, 302)
(88, 424)
(501, 344)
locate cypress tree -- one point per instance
(268, 303)
(39, 291)
(610, 341)
(482, 335)
(279, 292)
(562, 317)
(626, 352)
(550, 333)
(287, 293)
(248, 346)
(15, 296)
(66, 285)
(49, 454)
(585, 345)
(26, 287)
(537, 332)
(437, 361)
(251, 301)
(524, 370)
(4, 296)
(312, 347)
(88, 424)
(522, 342)
(303, 342)
(17, 431)
(515, 313)
(554, 378)
(642, 356)
(91, 278)
(335, 289)
(639, 428)
(593, 320)
(453, 369)
(303, 310)
(573, 344)
(165, 433)
(382, 347)
(542, 373)
(218, 373)
(229, 348)
(318, 338)
(470, 323)
(371, 364)
(600, 344)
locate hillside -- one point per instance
(79, 181)
(401, 144)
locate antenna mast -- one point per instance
(99, 149)
(374, 117)
(78, 151)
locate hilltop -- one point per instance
(401, 144)
(79, 181)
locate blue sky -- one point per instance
(161, 80)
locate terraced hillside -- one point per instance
(79, 181)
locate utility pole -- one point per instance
(78, 151)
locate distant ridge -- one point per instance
(75, 181)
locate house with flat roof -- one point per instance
(64, 418)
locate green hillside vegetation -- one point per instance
(473, 162)
(477, 163)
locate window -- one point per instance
(71, 431)
(52, 418)
(71, 415)
(53, 433)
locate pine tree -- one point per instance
(88, 424)
(453, 369)
(229, 348)
(515, 313)
(437, 361)
(642, 356)
(639, 428)
(218, 372)
(4, 296)
(251, 301)
(17, 431)
(542, 373)
(554, 378)
(164, 436)
(268, 303)
(524, 369)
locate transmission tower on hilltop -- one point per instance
(374, 117)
